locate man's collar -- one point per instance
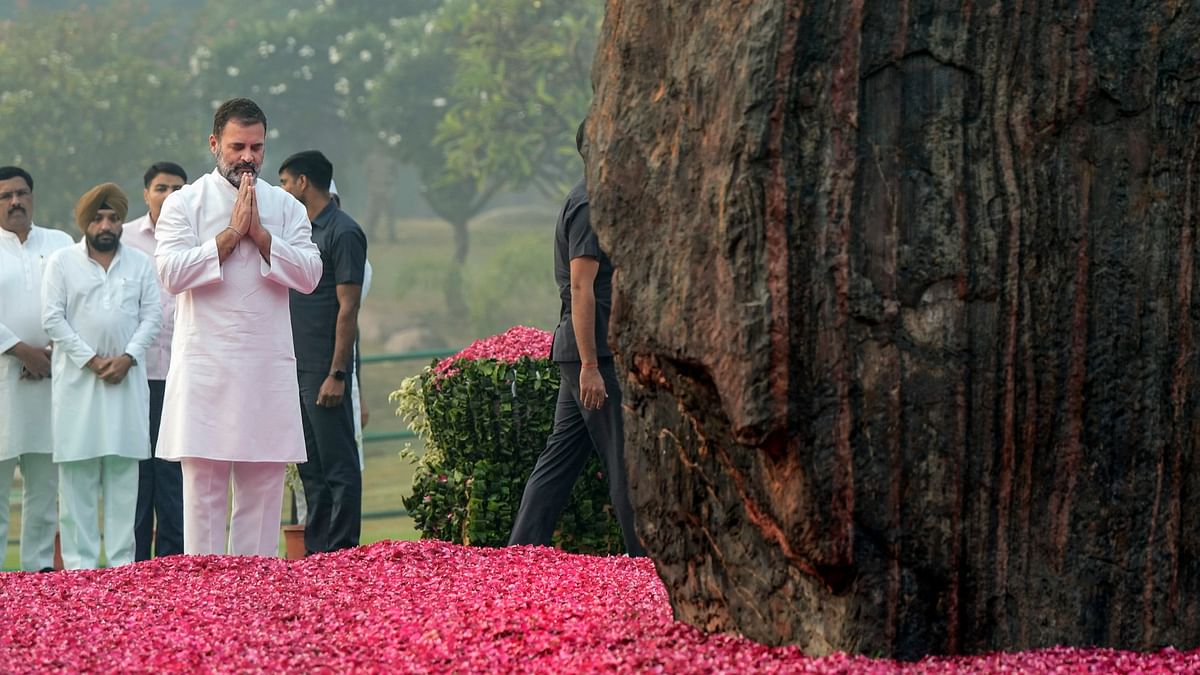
(326, 214)
(15, 237)
(87, 252)
(143, 224)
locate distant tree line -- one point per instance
(472, 98)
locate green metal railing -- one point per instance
(378, 436)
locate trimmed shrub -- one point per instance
(485, 414)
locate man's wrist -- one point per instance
(132, 361)
(591, 364)
(338, 374)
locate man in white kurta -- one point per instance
(101, 309)
(25, 371)
(158, 526)
(230, 247)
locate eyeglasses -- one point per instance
(19, 194)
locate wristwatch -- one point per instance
(132, 360)
(339, 375)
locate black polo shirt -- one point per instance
(574, 238)
(343, 249)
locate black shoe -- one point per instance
(46, 569)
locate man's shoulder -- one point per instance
(184, 196)
(138, 222)
(344, 223)
(54, 237)
(192, 189)
(277, 193)
(278, 198)
(574, 210)
(137, 234)
(136, 256)
(65, 254)
(578, 196)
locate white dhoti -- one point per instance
(39, 507)
(81, 485)
(257, 506)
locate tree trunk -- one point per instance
(456, 300)
(906, 308)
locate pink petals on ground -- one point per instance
(423, 606)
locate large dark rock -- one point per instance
(906, 303)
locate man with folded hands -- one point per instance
(101, 309)
(230, 247)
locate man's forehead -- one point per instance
(235, 131)
(14, 183)
(166, 178)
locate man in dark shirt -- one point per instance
(588, 414)
(324, 326)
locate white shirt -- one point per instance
(89, 311)
(232, 394)
(140, 235)
(24, 404)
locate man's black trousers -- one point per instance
(577, 433)
(332, 477)
(160, 493)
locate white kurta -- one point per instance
(24, 404)
(140, 235)
(232, 394)
(355, 393)
(89, 311)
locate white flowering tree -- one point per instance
(483, 97)
(80, 107)
(479, 97)
(310, 68)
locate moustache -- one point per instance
(17, 208)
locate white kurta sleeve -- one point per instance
(8, 339)
(149, 317)
(54, 314)
(295, 259)
(183, 261)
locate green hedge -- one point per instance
(484, 425)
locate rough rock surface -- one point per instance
(907, 305)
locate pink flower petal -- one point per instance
(424, 606)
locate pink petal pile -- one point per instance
(417, 607)
(509, 346)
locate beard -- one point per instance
(233, 172)
(103, 242)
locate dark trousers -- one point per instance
(160, 494)
(332, 477)
(577, 433)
